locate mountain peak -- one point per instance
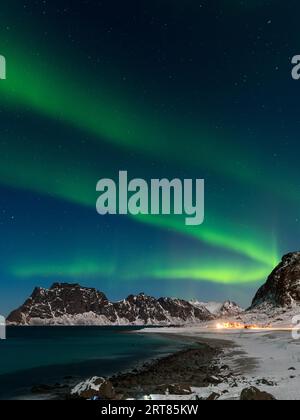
(71, 304)
(282, 288)
(58, 285)
(219, 309)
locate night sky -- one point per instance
(161, 88)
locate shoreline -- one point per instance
(201, 364)
(268, 361)
(174, 376)
(59, 387)
(198, 364)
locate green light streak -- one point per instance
(223, 273)
(106, 115)
(216, 271)
(221, 235)
(50, 177)
(119, 119)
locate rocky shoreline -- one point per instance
(200, 366)
(175, 374)
(195, 366)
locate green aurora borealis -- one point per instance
(83, 101)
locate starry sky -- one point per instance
(161, 88)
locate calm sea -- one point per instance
(47, 355)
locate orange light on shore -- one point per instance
(230, 326)
(240, 326)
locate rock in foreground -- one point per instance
(254, 394)
(95, 387)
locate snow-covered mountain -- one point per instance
(277, 302)
(282, 288)
(220, 310)
(71, 304)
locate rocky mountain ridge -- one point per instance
(71, 304)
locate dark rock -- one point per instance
(99, 388)
(282, 287)
(179, 389)
(254, 394)
(213, 380)
(213, 397)
(265, 382)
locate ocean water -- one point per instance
(47, 355)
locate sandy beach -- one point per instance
(269, 361)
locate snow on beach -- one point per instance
(268, 360)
